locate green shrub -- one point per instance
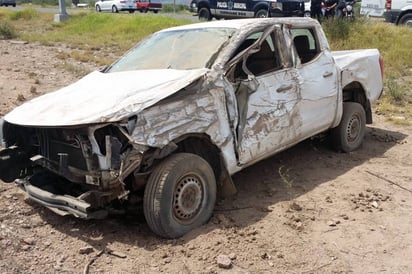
(394, 90)
(26, 14)
(7, 30)
(336, 28)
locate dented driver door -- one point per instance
(268, 99)
(271, 118)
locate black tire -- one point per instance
(98, 9)
(348, 136)
(406, 20)
(262, 13)
(114, 9)
(204, 14)
(180, 195)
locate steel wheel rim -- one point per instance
(187, 198)
(353, 129)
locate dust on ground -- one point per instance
(307, 209)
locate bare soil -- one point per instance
(308, 209)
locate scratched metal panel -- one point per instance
(361, 66)
(195, 112)
(271, 116)
(103, 97)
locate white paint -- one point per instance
(361, 66)
(103, 97)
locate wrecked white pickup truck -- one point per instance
(166, 131)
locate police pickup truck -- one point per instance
(230, 9)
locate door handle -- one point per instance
(284, 88)
(327, 74)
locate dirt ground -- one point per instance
(308, 209)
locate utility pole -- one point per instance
(62, 12)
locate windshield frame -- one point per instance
(157, 52)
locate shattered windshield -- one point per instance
(179, 49)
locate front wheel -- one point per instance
(114, 9)
(204, 14)
(261, 14)
(180, 195)
(98, 9)
(348, 136)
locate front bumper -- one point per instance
(61, 204)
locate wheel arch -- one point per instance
(261, 6)
(355, 92)
(199, 144)
(404, 12)
(202, 145)
(203, 4)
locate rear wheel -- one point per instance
(114, 9)
(180, 195)
(348, 136)
(204, 14)
(406, 20)
(262, 13)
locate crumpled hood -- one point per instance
(102, 97)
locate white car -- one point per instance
(116, 5)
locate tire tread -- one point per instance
(155, 189)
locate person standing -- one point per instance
(330, 6)
(315, 9)
(340, 9)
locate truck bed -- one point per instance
(362, 66)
